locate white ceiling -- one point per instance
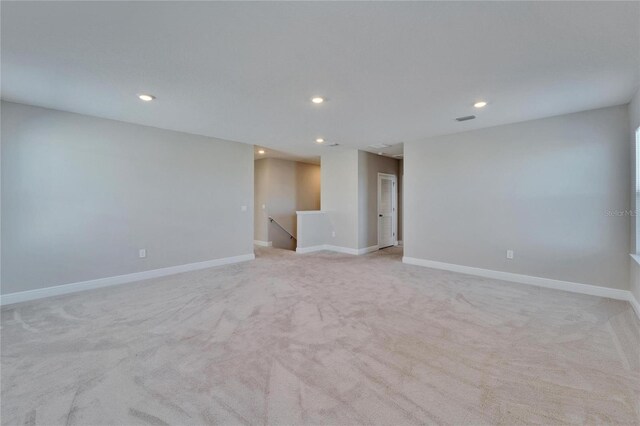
(391, 72)
(274, 153)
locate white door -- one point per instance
(387, 210)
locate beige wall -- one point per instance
(81, 195)
(369, 165)
(541, 188)
(284, 187)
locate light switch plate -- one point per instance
(142, 253)
(243, 208)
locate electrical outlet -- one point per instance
(510, 254)
(333, 233)
(142, 253)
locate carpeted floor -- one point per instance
(321, 338)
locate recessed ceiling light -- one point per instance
(480, 104)
(261, 151)
(319, 140)
(146, 98)
(317, 100)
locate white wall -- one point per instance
(313, 229)
(81, 195)
(634, 123)
(339, 199)
(541, 188)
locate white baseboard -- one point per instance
(23, 296)
(589, 289)
(349, 250)
(263, 243)
(337, 249)
(368, 249)
(310, 249)
(635, 304)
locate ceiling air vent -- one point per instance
(334, 144)
(465, 118)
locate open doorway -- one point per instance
(380, 201)
(387, 210)
(282, 186)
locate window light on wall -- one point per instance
(637, 161)
(636, 202)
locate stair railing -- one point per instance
(291, 237)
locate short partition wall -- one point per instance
(314, 230)
(315, 233)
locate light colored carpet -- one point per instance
(321, 338)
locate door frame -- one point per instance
(394, 208)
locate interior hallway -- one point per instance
(322, 338)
